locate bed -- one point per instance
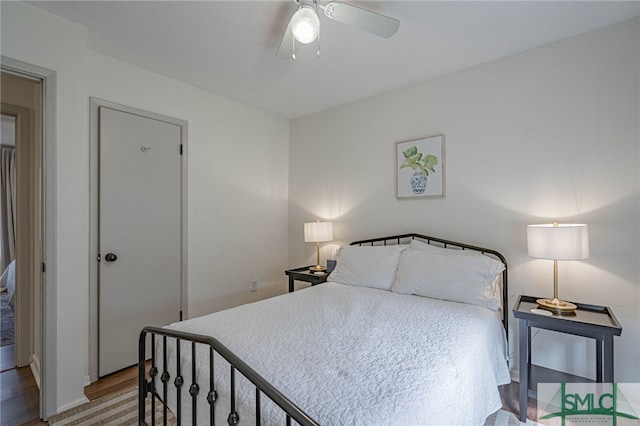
(8, 280)
(393, 337)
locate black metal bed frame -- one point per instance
(147, 384)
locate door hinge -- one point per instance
(98, 257)
(44, 267)
(180, 149)
(180, 315)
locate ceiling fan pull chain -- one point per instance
(293, 49)
(316, 4)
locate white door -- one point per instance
(139, 232)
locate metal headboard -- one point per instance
(402, 239)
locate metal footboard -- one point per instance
(150, 388)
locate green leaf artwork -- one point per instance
(416, 161)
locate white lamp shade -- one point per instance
(305, 24)
(315, 232)
(564, 241)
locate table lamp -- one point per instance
(554, 241)
(317, 232)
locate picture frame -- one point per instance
(420, 167)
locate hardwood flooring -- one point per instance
(511, 401)
(18, 397)
(112, 383)
(19, 393)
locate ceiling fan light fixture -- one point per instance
(305, 24)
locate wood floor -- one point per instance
(19, 394)
(511, 401)
(112, 383)
(18, 391)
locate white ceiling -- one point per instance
(229, 47)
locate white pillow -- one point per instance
(367, 266)
(420, 245)
(456, 275)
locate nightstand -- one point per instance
(596, 322)
(303, 274)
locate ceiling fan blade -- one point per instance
(375, 23)
(285, 51)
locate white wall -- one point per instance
(40, 39)
(238, 180)
(551, 133)
(238, 165)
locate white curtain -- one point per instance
(8, 210)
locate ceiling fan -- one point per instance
(304, 25)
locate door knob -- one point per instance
(110, 257)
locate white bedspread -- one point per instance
(8, 280)
(353, 355)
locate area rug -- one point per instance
(120, 408)
(7, 321)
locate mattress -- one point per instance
(354, 355)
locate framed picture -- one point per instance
(420, 167)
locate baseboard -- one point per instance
(35, 369)
(87, 380)
(73, 404)
(515, 375)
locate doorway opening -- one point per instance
(21, 226)
(7, 242)
(37, 350)
(20, 216)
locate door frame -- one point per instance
(47, 145)
(94, 221)
(24, 143)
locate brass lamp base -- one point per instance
(557, 306)
(318, 268)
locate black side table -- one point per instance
(303, 274)
(596, 322)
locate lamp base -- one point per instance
(557, 306)
(318, 268)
